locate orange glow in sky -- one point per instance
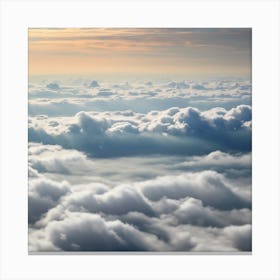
(87, 51)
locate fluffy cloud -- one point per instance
(233, 165)
(66, 103)
(54, 159)
(173, 131)
(66, 164)
(217, 160)
(174, 121)
(231, 238)
(149, 215)
(53, 86)
(43, 195)
(211, 88)
(93, 84)
(208, 186)
(140, 166)
(53, 99)
(178, 85)
(220, 158)
(119, 200)
(192, 211)
(192, 121)
(240, 236)
(90, 232)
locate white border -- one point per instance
(262, 16)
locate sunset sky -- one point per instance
(140, 51)
(139, 140)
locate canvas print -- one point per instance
(139, 140)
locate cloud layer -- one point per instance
(165, 213)
(139, 217)
(69, 98)
(173, 131)
(154, 166)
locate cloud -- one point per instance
(148, 215)
(66, 164)
(93, 84)
(32, 173)
(73, 97)
(178, 85)
(192, 211)
(208, 186)
(67, 104)
(174, 131)
(90, 232)
(198, 87)
(218, 160)
(119, 200)
(89, 125)
(53, 86)
(104, 93)
(55, 159)
(140, 166)
(43, 194)
(231, 238)
(132, 181)
(241, 236)
(123, 86)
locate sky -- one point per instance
(139, 165)
(140, 52)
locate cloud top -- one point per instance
(176, 130)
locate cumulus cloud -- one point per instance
(55, 159)
(241, 236)
(43, 195)
(93, 84)
(140, 97)
(173, 131)
(226, 239)
(119, 200)
(218, 160)
(192, 211)
(53, 86)
(143, 216)
(178, 85)
(198, 87)
(208, 186)
(173, 121)
(90, 232)
(155, 166)
(69, 103)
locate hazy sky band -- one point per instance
(140, 51)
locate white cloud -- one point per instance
(208, 186)
(241, 236)
(93, 84)
(219, 159)
(232, 238)
(53, 86)
(149, 215)
(140, 166)
(117, 201)
(90, 232)
(55, 159)
(173, 131)
(192, 211)
(43, 194)
(53, 99)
